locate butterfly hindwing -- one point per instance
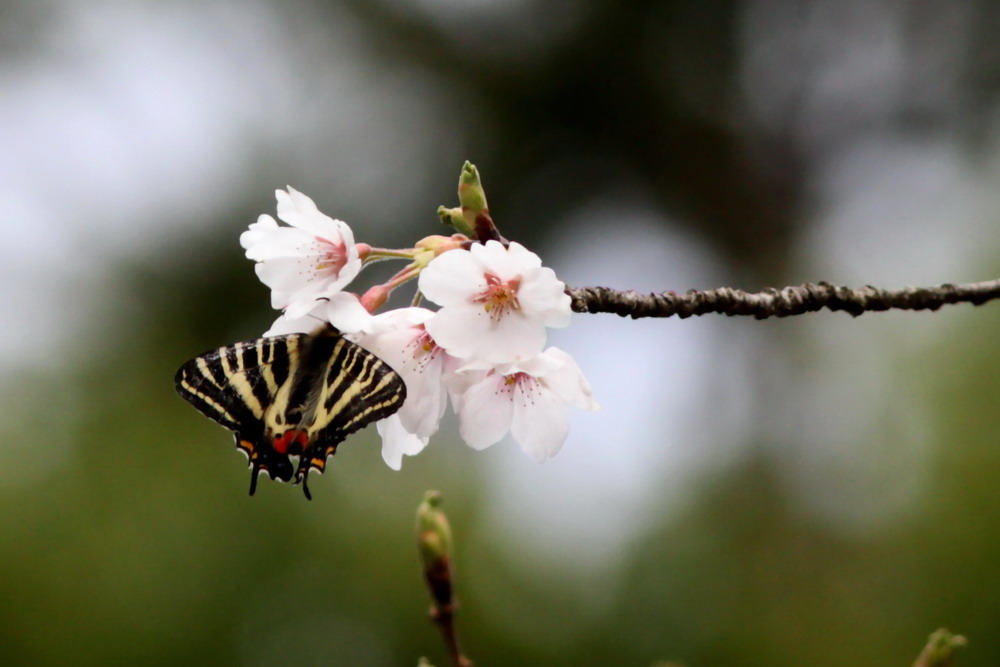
(353, 389)
(295, 395)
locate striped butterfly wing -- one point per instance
(241, 385)
(352, 389)
(296, 395)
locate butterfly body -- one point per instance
(298, 395)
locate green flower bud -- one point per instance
(433, 531)
(939, 649)
(453, 217)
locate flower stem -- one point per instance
(389, 253)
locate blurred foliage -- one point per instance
(129, 537)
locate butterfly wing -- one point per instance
(243, 385)
(296, 395)
(353, 389)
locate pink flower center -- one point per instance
(332, 256)
(423, 348)
(500, 296)
(527, 384)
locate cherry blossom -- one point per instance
(313, 258)
(400, 339)
(530, 398)
(495, 302)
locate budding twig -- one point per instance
(434, 545)
(771, 302)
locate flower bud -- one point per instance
(471, 195)
(434, 544)
(475, 211)
(375, 297)
(939, 649)
(453, 217)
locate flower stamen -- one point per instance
(499, 297)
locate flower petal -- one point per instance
(568, 382)
(287, 325)
(542, 294)
(258, 230)
(397, 441)
(467, 333)
(453, 278)
(344, 311)
(540, 422)
(505, 263)
(485, 414)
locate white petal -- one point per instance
(426, 399)
(301, 307)
(285, 273)
(452, 278)
(508, 263)
(399, 318)
(541, 420)
(471, 333)
(568, 381)
(300, 211)
(397, 441)
(257, 231)
(286, 325)
(544, 295)
(281, 242)
(502, 263)
(515, 336)
(524, 257)
(486, 409)
(344, 311)
(457, 382)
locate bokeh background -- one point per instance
(814, 491)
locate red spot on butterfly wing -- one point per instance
(293, 441)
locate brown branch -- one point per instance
(772, 302)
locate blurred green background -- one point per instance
(813, 491)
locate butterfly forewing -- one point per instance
(296, 395)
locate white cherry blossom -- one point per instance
(312, 258)
(530, 398)
(399, 338)
(495, 302)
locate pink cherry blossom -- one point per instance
(311, 259)
(399, 338)
(495, 302)
(531, 399)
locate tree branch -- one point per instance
(771, 302)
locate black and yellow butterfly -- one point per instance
(296, 395)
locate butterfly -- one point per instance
(298, 395)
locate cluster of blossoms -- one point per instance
(482, 348)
